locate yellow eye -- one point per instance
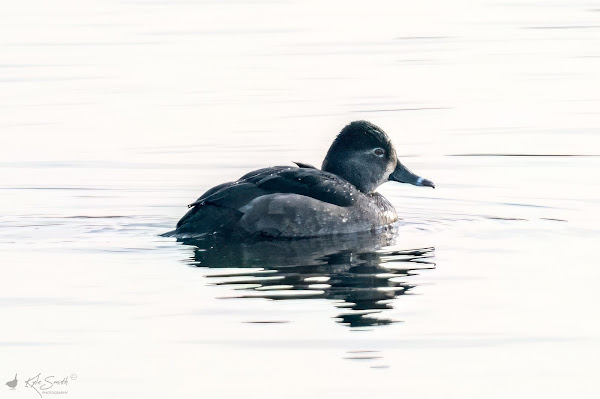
(379, 152)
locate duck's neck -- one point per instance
(353, 173)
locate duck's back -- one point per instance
(284, 201)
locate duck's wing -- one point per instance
(310, 182)
(304, 165)
(230, 197)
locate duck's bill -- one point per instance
(403, 175)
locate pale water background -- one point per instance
(116, 114)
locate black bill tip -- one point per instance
(426, 183)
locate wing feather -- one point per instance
(303, 180)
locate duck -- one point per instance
(303, 201)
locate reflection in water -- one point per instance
(350, 270)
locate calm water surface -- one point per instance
(116, 114)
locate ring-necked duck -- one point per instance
(303, 201)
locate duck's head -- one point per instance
(363, 155)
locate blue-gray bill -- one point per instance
(403, 175)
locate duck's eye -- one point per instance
(379, 152)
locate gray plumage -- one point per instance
(303, 201)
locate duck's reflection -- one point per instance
(351, 270)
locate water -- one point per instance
(115, 115)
